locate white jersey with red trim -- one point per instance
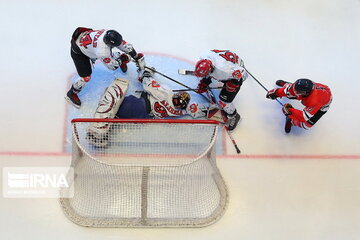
(91, 43)
(161, 101)
(227, 65)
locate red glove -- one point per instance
(124, 58)
(138, 56)
(203, 85)
(272, 94)
(286, 109)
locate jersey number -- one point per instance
(85, 40)
(227, 55)
(160, 109)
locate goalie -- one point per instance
(155, 101)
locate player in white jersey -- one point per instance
(223, 66)
(108, 46)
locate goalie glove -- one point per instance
(286, 109)
(197, 110)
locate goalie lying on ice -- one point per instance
(155, 101)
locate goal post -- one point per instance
(145, 173)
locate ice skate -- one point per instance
(233, 121)
(73, 98)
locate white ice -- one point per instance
(304, 185)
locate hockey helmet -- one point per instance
(112, 38)
(203, 68)
(303, 86)
(181, 99)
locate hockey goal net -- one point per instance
(145, 173)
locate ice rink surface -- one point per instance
(304, 185)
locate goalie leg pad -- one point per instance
(112, 98)
(108, 105)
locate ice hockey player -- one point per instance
(88, 45)
(156, 101)
(314, 96)
(223, 66)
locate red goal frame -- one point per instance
(118, 120)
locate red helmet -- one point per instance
(203, 67)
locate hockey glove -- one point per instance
(140, 61)
(124, 58)
(272, 94)
(203, 85)
(123, 61)
(147, 73)
(286, 109)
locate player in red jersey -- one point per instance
(316, 98)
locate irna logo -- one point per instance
(39, 182)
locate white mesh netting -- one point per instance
(152, 173)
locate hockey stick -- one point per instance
(213, 100)
(189, 72)
(261, 85)
(187, 87)
(180, 90)
(183, 90)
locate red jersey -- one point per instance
(316, 104)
